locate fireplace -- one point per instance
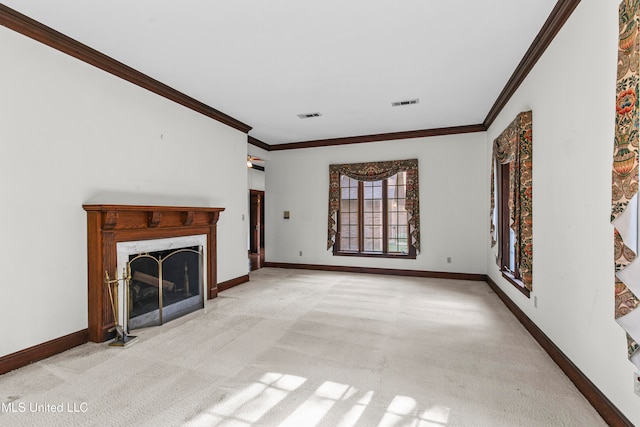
(169, 253)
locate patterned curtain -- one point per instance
(624, 200)
(376, 171)
(515, 145)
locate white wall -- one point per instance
(72, 134)
(256, 179)
(572, 92)
(454, 202)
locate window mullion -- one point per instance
(385, 219)
(360, 216)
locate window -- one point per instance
(373, 218)
(373, 209)
(507, 259)
(512, 202)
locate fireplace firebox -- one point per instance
(171, 255)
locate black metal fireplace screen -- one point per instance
(164, 285)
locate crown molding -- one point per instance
(380, 137)
(556, 20)
(257, 143)
(52, 38)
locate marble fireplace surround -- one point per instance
(108, 225)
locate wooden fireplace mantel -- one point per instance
(109, 224)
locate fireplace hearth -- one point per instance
(171, 253)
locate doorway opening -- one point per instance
(256, 229)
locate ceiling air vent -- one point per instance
(309, 115)
(407, 102)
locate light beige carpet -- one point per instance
(300, 348)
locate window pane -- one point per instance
(391, 192)
(368, 192)
(377, 192)
(398, 245)
(512, 251)
(373, 216)
(344, 218)
(348, 213)
(368, 232)
(392, 218)
(354, 244)
(403, 218)
(368, 205)
(344, 243)
(397, 215)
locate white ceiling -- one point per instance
(264, 62)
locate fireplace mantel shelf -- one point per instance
(109, 224)
(116, 217)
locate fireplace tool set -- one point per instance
(122, 332)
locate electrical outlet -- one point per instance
(300, 253)
(535, 301)
(636, 383)
(448, 260)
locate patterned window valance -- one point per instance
(625, 203)
(375, 171)
(514, 145)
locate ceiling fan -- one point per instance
(252, 159)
